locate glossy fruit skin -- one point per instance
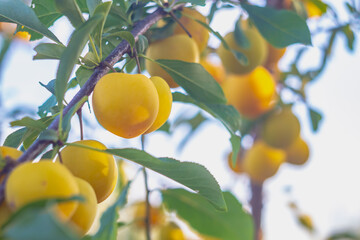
(253, 94)
(165, 103)
(298, 152)
(217, 71)
(256, 53)
(85, 213)
(125, 104)
(238, 168)
(97, 168)
(176, 47)
(262, 161)
(171, 231)
(281, 129)
(199, 33)
(30, 182)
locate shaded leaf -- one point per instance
(70, 56)
(17, 11)
(235, 224)
(315, 118)
(48, 51)
(279, 27)
(191, 175)
(71, 10)
(15, 138)
(108, 222)
(227, 114)
(196, 81)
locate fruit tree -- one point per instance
(129, 71)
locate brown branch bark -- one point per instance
(256, 203)
(140, 28)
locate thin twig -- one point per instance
(180, 24)
(140, 28)
(147, 194)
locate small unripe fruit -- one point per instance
(281, 129)
(256, 54)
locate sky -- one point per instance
(326, 188)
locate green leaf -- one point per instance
(83, 74)
(235, 224)
(101, 10)
(50, 86)
(46, 12)
(350, 37)
(49, 135)
(48, 51)
(35, 221)
(71, 10)
(142, 44)
(71, 54)
(315, 118)
(240, 37)
(196, 81)
(91, 5)
(108, 222)
(46, 107)
(17, 11)
(227, 114)
(191, 175)
(29, 122)
(235, 141)
(238, 55)
(15, 138)
(193, 2)
(33, 132)
(126, 35)
(279, 27)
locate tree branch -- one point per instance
(140, 28)
(256, 203)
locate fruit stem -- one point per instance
(139, 71)
(256, 203)
(180, 24)
(79, 113)
(147, 193)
